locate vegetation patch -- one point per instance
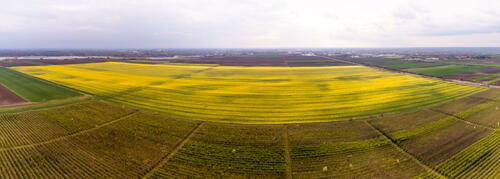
(448, 70)
(255, 95)
(229, 151)
(460, 105)
(356, 151)
(486, 115)
(20, 129)
(398, 63)
(439, 145)
(31, 89)
(124, 147)
(8, 98)
(474, 155)
(406, 121)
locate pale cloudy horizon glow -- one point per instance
(248, 23)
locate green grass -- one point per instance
(32, 89)
(448, 70)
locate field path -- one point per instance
(171, 154)
(465, 121)
(429, 169)
(70, 135)
(287, 154)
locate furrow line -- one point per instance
(69, 136)
(429, 169)
(287, 154)
(164, 160)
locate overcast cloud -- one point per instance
(248, 23)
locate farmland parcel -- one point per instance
(31, 89)
(258, 95)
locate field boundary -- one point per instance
(48, 82)
(288, 159)
(429, 169)
(70, 135)
(166, 158)
(44, 105)
(465, 121)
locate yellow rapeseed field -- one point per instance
(254, 94)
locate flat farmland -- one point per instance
(93, 139)
(7, 97)
(229, 151)
(98, 139)
(32, 89)
(346, 149)
(254, 95)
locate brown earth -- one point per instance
(8, 98)
(466, 76)
(495, 83)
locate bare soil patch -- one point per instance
(466, 76)
(8, 98)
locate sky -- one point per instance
(249, 23)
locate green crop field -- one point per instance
(448, 70)
(254, 95)
(31, 89)
(396, 63)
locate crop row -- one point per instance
(461, 162)
(235, 151)
(345, 150)
(487, 116)
(62, 159)
(38, 126)
(127, 148)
